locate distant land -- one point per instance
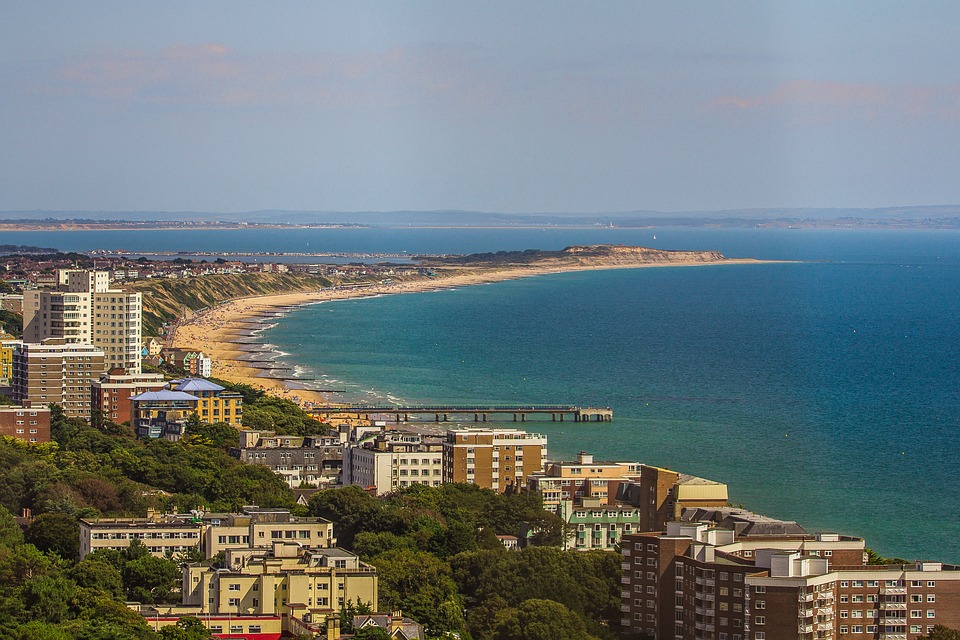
(912, 217)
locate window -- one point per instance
(931, 613)
(759, 589)
(931, 597)
(931, 583)
(234, 602)
(234, 587)
(760, 604)
(760, 620)
(760, 635)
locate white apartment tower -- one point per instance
(88, 312)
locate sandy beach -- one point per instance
(227, 332)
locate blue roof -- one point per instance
(195, 384)
(164, 395)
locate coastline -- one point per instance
(228, 332)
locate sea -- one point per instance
(823, 389)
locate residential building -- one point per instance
(211, 533)
(301, 585)
(314, 460)
(87, 311)
(393, 460)
(498, 459)
(198, 364)
(7, 346)
(242, 626)
(161, 534)
(117, 327)
(12, 302)
(395, 624)
(216, 403)
(582, 478)
(694, 581)
(150, 346)
(592, 523)
(112, 392)
(662, 494)
(162, 414)
(29, 424)
(54, 371)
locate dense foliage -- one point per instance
(45, 591)
(437, 553)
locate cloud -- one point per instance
(214, 75)
(839, 99)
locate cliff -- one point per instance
(164, 300)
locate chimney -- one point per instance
(333, 627)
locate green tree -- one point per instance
(151, 580)
(56, 532)
(10, 533)
(420, 584)
(47, 598)
(539, 620)
(941, 632)
(94, 572)
(371, 633)
(187, 628)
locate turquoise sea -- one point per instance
(825, 391)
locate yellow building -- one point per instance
(216, 404)
(7, 346)
(286, 580)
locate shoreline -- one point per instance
(228, 332)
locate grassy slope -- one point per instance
(164, 300)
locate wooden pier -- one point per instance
(442, 413)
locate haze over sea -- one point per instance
(827, 392)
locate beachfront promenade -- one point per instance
(442, 413)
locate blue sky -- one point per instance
(493, 106)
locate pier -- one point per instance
(442, 413)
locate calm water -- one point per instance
(825, 392)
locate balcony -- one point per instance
(805, 597)
(805, 628)
(825, 611)
(825, 626)
(624, 580)
(625, 565)
(704, 611)
(893, 606)
(825, 595)
(893, 591)
(624, 594)
(893, 636)
(703, 626)
(625, 608)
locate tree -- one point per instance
(371, 633)
(151, 580)
(56, 532)
(47, 598)
(419, 583)
(539, 620)
(941, 632)
(95, 572)
(10, 533)
(187, 628)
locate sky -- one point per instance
(516, 107)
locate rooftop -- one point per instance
(164, 395)
(194, 384)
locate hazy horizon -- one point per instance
(501, 107)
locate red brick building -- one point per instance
(112, 392)
(702, 582)
(30, 424)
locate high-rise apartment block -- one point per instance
(55, 371)
(87, 311)
(498, 459)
